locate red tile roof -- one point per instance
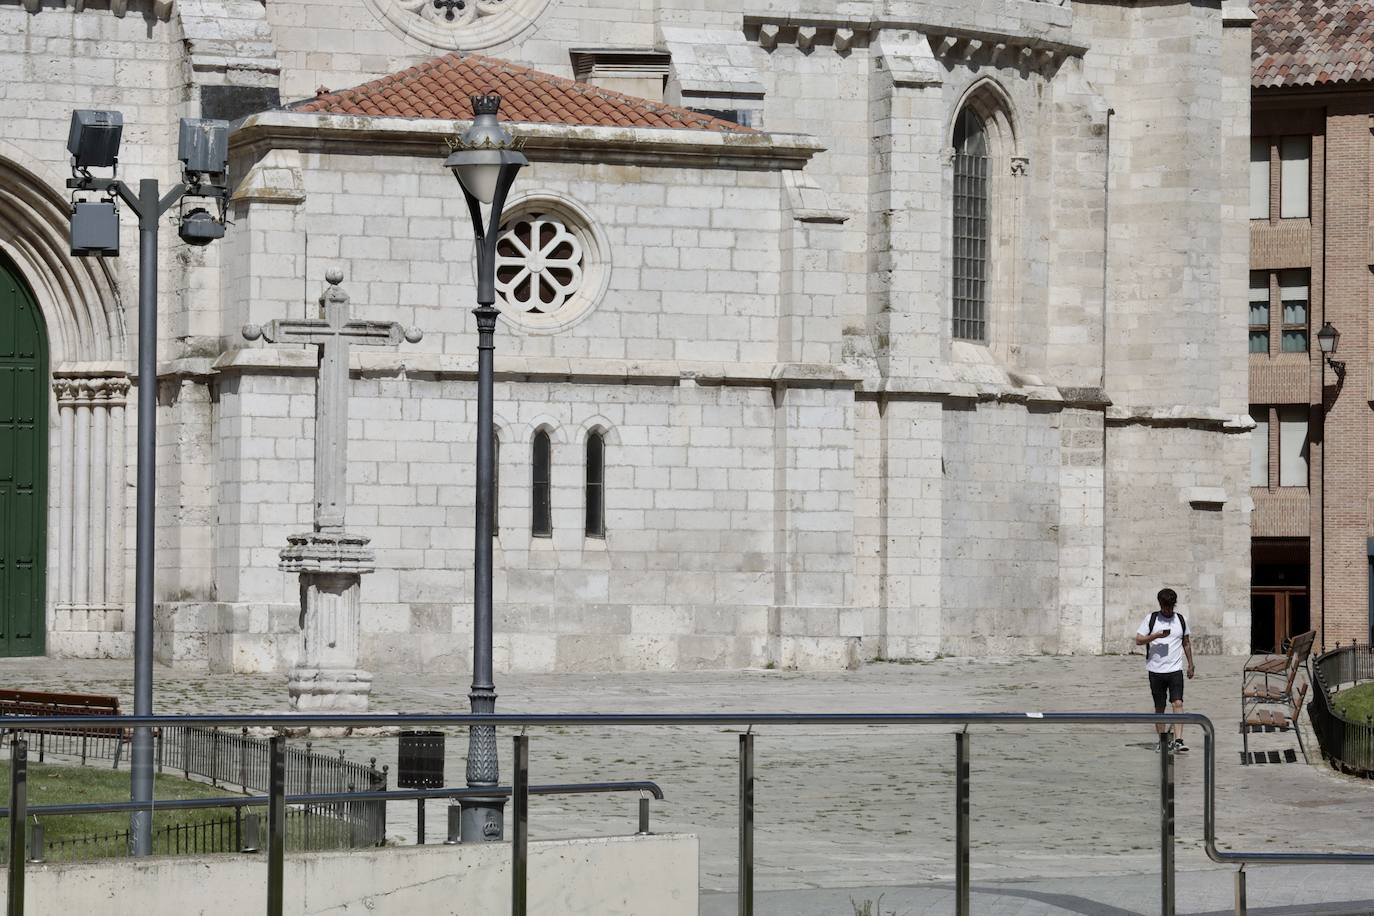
(440, 89)
(1312, 42)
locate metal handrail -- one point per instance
(752, 721)
(328, 798)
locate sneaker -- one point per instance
(1178, 747)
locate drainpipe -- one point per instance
(1102, 383)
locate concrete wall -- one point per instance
(615, 876)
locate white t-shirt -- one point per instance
(1166, 654)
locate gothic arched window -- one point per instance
(596, 485)
(972, 221)
(541, 524)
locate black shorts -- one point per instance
(1171, 681)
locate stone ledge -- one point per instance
(538, 368)
(356, 134)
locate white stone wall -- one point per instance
(803, 466)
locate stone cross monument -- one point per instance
(329, 560)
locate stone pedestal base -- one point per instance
(329, 689)
(326, 677)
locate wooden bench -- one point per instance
(1280, 718)
(1299, 648)
(15, 704)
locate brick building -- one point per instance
(1310, 260)
(892, 328)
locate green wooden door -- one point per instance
(23, 465)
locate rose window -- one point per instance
(539, 264)
(453, 12)
(458, 24)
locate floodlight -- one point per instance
(203, 148)
(95, 229)
(199, 227)
(93, 139)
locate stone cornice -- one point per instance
(1039, 32)
(281, 360)
(360, 135)
(161, 9)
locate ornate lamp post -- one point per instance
(485, 161)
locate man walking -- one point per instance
(1165, 636)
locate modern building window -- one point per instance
(1259, 447)
(1293, 296)
(495, 482)
(972, 226)
(541, 523)
(1259, 312)
(1295, 177)
(596, 485)
(1259, 178)
(1293, 446)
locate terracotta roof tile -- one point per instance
(1312, 42)
(441, 88)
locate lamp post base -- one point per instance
(482, 819)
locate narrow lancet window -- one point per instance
(971, 227)
(541, 524)
(596, 485)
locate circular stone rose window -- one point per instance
(550, 264)
(458, 25)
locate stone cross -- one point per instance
(333, 334)
(330, 561)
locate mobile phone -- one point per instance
(1165, 632)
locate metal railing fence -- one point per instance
(520, 791)
(1347, 744)
(223, 757)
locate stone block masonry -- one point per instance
(803, 465)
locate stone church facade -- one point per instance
(831, 332)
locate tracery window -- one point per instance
(971, 226)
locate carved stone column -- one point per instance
(90, 537)
(326, 677)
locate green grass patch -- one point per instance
(64, 785)
(1355, 704)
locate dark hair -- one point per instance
(1167, 597)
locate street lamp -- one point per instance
(1328, 338)
(203, 148)
(485, 161)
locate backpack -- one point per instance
(1155, 616)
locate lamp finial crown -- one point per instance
(488, 103)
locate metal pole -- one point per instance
(1166, 825)
(520, 827)
(419, 822)
(19, 810)
(961, 824)
(746, 824)
(276, 826)
(483, 818)
(1241, 908)
(141, 770)
(644, 814)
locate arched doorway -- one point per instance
(23, 465)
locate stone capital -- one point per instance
(327, 552)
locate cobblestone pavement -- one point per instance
(855, 807)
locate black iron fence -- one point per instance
(1346, 744)
(309, 827)
(223, 756)
(227, 758)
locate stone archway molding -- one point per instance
(79, 297)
